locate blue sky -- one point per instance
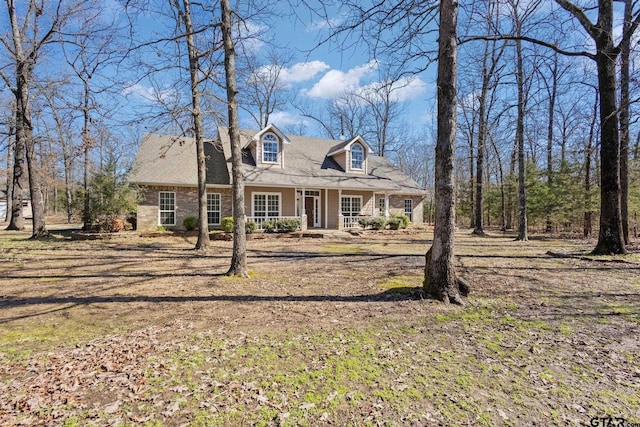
(319, 74)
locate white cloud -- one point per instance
(303, 71)
(404, 89)
(148, 94)
(324, 24)
(336, 82)
(285, 118)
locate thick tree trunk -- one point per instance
(625, 106)
(239, 257)
(26, 133)
(194, 67)
(440, 278)
(610, 238)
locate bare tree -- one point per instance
(440, 278)
(610, 237)
(625, 108)
(89, 48)
(184, 12)
(30, 33)
(239, 257)
(264, 90)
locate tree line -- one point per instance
(542, 122)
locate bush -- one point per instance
(269, 226)
(364, 222)
(288, 225)
(281, 225)
(378, 222)
(226, 224)
(403, 221)
(190, 223)
(250, 227)
(394, 223)
(373, 222)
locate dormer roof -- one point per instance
(346, 146)
(269, 128)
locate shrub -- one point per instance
(378, 222)
(250, 227)
(364, 222)
(269, 226)
(288, 225)
(394, 223)
(404, 220)
(373, 222)
(281, 225)
(190, 223)
(226, 224)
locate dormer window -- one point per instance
(269, 148)
(357, 156)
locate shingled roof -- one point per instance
(168, 160)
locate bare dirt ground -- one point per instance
(146, 331)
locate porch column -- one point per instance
(373, 203)
(326, 208)
(386, 205)
(340, 209)
(304, 202)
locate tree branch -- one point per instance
(551, 46)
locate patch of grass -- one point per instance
(343, 249)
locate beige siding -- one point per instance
(287, 199)
(396, 206)
(257, 154)
(341, 159)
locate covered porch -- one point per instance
(337, 209)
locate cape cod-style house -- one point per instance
(326, 183)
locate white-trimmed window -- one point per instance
(266, 205)
(351, 205)
(408, 208)
(167, 208)
(357, 156)
(213, 208)
(381, 203)
(269, 148)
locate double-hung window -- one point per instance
(357, 156)
(167, 208)
(381, 203)
(408, 208)
(351, 205)
(269, 148)
(213, 209)
(266, 205)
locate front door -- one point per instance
(312, 208)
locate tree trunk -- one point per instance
(522, 191)
(18, 180)
(25, 132)
(194, 67)
(239, 257)
(610, 238)
(440, 279)
(587, 227)
(625, 106)
(552, 103)
(87, 217)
